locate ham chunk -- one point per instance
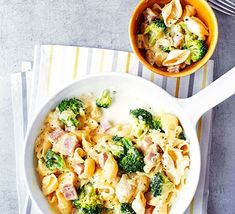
(150, 15)
(56, 134)
(105, 125)
(151, 161)
(69, 192)
(150, 157)
(145, 143)
(66, 145)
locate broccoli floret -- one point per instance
(69, 118)
(116, 138)
(126, 209)
(69, 110)
(105, 100)
(185, 28)
(159, 23)
(182, 136)
(155, 30)
(132, 160)
(115, 147)
(54, 161)
(156, 184)
(141, 115)
(160, 185)
(156, 124)
(73, 104)
(197, 47)
(88, 201)
(165, 48)
(128, 157)
(145, 120)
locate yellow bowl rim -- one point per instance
(182, 73)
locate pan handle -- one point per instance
(212, 95)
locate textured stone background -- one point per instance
(100, 23)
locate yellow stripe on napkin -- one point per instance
(128, 62)
(49, 70)
(75, 70)
(177, 87)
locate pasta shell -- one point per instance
(159, 55)
(196, 26)
(139, 203)
(89, 169)
(176, 57)
(124, 189)
(189, 10)
(172, 12)
(110, 169)
(49, 184)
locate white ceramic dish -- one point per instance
(135, 91)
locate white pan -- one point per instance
(133, 91)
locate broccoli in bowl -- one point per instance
(164, 34)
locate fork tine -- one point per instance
(225, 3)
(230, 2)
(221, 8)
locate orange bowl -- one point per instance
(204, 12)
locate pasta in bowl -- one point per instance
(173, 37)
(60, 161)
(87, 164)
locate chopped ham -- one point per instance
(150, 157)
(66, 144)
(176, 68)
(70, 144)
(142, 41)
(145, 143)
(150, 15)
(102, 159)
(105, 125)
(56, 134)
(69, 192)
(150, 56)
(79, 168)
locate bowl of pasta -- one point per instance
(173, 37)
(105, 144)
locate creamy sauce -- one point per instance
(123, 102)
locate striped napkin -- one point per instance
(56, 66)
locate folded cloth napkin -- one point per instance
(56, 66)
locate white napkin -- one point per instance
(56, 66)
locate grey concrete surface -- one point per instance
(100, 23)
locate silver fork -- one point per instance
(224, 6)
